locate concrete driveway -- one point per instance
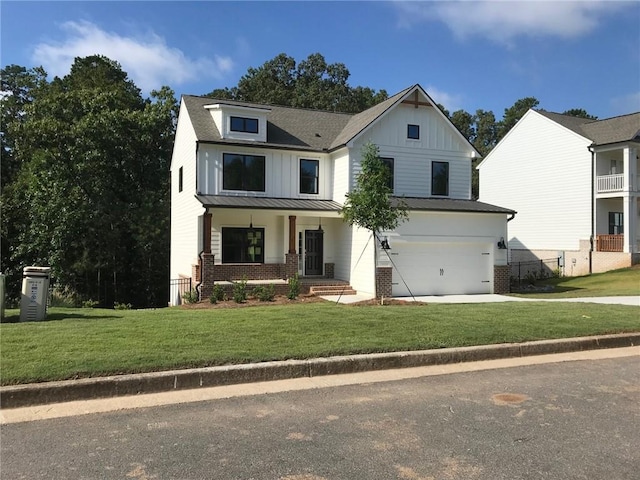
(490, 298)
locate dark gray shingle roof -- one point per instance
(624, 128)
(286, 127)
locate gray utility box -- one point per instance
(35, 291)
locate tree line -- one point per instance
(85, 166)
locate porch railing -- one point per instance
(610, 183)
(609, 243)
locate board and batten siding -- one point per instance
(439, 142)
(543, 171)
(282, 172)
(185, 209)
(340, 175)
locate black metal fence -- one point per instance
(526, 273)
(177, 288)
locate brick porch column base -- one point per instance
(383, 282)
(291, 265)
(206, 272)
(501, 279)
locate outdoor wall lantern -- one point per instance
(320, 225)
(384, 243)
(501, 244)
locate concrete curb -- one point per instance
(135, 384)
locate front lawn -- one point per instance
(621, 282)
(77, 343)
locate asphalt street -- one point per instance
(569, 420)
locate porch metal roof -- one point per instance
(450, 205)
(417, 204)
(226, 201)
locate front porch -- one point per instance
(609, 243)
(308, 286)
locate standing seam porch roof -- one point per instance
(412, 203)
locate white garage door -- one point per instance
(441, 268)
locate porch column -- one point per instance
(292, 234)
(206, 233)
(291, 266)
(630, 218)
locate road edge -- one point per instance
(16, 396)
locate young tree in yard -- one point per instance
(369, 205)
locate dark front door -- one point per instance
(313, 252)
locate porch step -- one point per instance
(319, 290)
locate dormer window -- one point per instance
(243, 124)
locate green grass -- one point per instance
(77, 343)
(615, 283)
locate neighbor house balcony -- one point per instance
(609, 243)
(610, 183)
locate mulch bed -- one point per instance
(283, 300)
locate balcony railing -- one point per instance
(610, 183)
(609, 243)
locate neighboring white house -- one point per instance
(256, 192)
(575, 185)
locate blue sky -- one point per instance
(469, 55)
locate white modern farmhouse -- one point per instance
(575, 185)
(256, 192)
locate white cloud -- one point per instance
(449, 101)
(149, 61)
(504, 21)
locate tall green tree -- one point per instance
(312, 83)
(369, 205)
(18, 88)
(95, 177)
(515, 113)
(579, 112)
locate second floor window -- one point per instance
(388, 162)
(243, 172)
(242, 124)
(413, 132)
(440, 178)
(309, 176)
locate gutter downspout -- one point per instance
(513, 215)
(593, 206)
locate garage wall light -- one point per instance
(501, 244)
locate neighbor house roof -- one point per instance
(624, 128)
